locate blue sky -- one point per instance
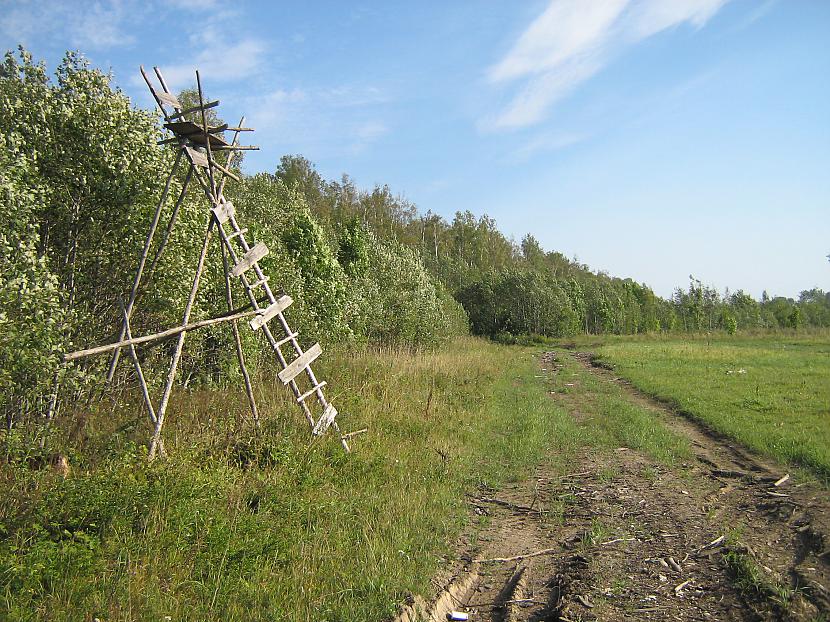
(652, 139)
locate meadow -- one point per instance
(246, 525)
(770, 393)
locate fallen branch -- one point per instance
(679, 588)
(355, 433)
(716, 542)
(508, 504)
(782, 480)
(615, 540)
(516, 557)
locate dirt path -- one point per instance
(623, 537)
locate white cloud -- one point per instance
(192, 5)
(539, 93)
(547, 142)
(572, 40)
(566, 30)
(218, 64)
(652, 16)
(99, 25)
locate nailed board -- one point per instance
(325, 420)
(278, 307)
(296, 366)
(168, 99)
(198, 158)
(223, 212)
(181, 114)
(249, 259)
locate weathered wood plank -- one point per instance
(169, 99)
(261, 281)
(296, 366)
(179, 115)
(285, 340)
(311, 391)
(278, 307)
(223, 212)
(249, 259)
(198, 158)
(325, 420)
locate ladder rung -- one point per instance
(262, 281)
(325, 420)
(278, 307)
(311, 392)
(249, 259)
(282, 342)
(296, 367)
(236, 234)
(223, 212)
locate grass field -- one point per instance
(239, 526)
(770, 393)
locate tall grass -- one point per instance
(240, 524)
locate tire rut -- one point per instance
(623, 537)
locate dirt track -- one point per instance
(713, 539)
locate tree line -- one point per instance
(80, 175)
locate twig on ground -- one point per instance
(516, 557)
(615, 540)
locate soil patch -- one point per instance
(623, 537)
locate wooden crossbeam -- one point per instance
(296, 367)
(278, 307)
(71, 356)
(249, 259)
(236, 234)
(261, 281)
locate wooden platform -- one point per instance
(195, 134)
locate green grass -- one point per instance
(770, 393)
(239, 525)
(611, 419)
(244, 526)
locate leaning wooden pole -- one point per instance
(171, 376)
(141, 263)
(240, 354)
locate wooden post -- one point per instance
(171, 376)
(207, 139)
(170, 224)
(240, 355)
(141, 262)
(144, 390)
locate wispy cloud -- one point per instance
(545, 143)
(345, 119)
(228, 63)
(97, 26)
(572, 40)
